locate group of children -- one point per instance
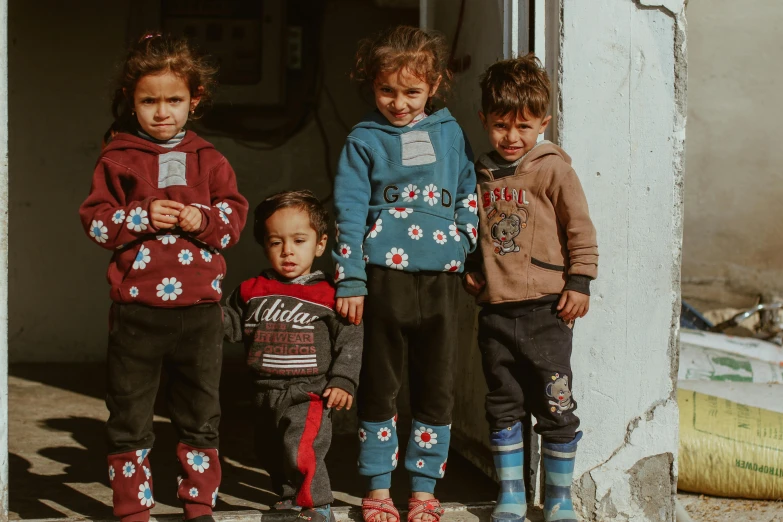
(416, 222)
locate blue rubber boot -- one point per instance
(559, 468)
(508, 454)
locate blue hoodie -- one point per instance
(404, 199)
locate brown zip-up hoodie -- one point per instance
(536, 236)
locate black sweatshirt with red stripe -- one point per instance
(163, 268)
(290, 329)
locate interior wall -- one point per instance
(733, 239)
(62, 61)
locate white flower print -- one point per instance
(134, 292)
(443, 468)
(147, 472)
(198, 461)
(142, 258)
(431, 194)
(179, 480)
(395, 457)
(224, 240)
(414, 231)
(410, 193)
(400, 212)
(440, 237)
(339, 273)
(169, 289)
(453, 266)
(420, 463)
(214, 497)
(193, 492)
(185, 257)
(345, 250)
(454, 231)
(167, 238)
(384, 434)
(472, 233)
(216, 284)
(376, 228)
(145, 494)
(397, 259)
(141, 455)
(138, 220)
(98, 231)
(206, 255)
(111, 473)
(118, 217)
(128, 469)
(394, 422)
(362, 435)
(471, 203)
(223, 207)
(224, 217)
(425, 437)
(337, 232)
(366, 258)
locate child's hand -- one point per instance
(474, 282)
(164, 213)
(338, 399)
(573, 305)
(351, 307)
(190, 219)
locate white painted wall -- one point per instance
(733, 241)
(622, 120)
(62, 64)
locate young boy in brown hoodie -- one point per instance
(532, 274)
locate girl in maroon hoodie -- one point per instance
(166, 204)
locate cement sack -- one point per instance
(764, 396)
(701, 363)
(744, 346)
(729, 449)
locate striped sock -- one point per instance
(508, 453)
(559, 468)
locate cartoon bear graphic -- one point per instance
(504, 232)
(559, 391)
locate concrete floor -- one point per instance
(57, 454)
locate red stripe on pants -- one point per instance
(305, 458)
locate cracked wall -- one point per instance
(622, 100)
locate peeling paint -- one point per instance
(650, 480)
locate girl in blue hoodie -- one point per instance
(406, 217)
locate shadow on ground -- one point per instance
(59, 426)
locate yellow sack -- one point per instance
(729, 449)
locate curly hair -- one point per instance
(303, 200)
(424, 53)
(515, 86)
(156, 53)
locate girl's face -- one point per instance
(401, 96)
(162, 102)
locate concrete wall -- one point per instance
(622, 119)
(3, 260)
(733, 248)
(62, 62)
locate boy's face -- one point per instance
(401, 96)
(513, 135)
(291, 244)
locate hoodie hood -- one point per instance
(377, 121)
(540, 151)
(125, 141)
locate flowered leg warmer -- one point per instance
(131, 483)
(379, 450)
(200, 479)
(507, 453)
(428, 451)
(559, 469)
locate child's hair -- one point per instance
(515, 86)
(303, 200)
(424, 53)
(155, 53)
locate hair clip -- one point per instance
(148, 36)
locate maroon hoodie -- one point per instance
(165, 268)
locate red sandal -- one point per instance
(430, 507)
(375, 506)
